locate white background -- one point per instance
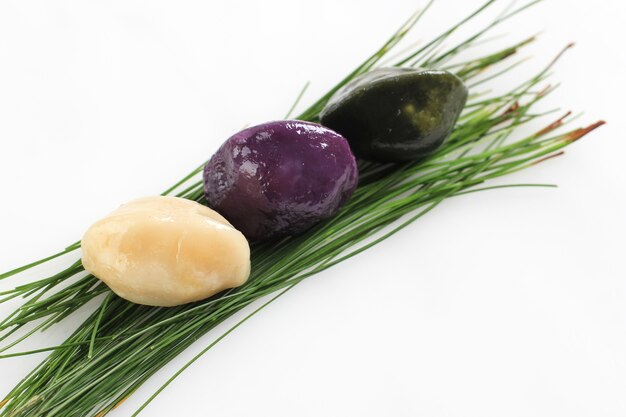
(505, 303)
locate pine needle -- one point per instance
(121, 345)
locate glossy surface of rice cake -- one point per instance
(166, 251)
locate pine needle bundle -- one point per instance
(120, 344)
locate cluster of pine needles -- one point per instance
(120, 345)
